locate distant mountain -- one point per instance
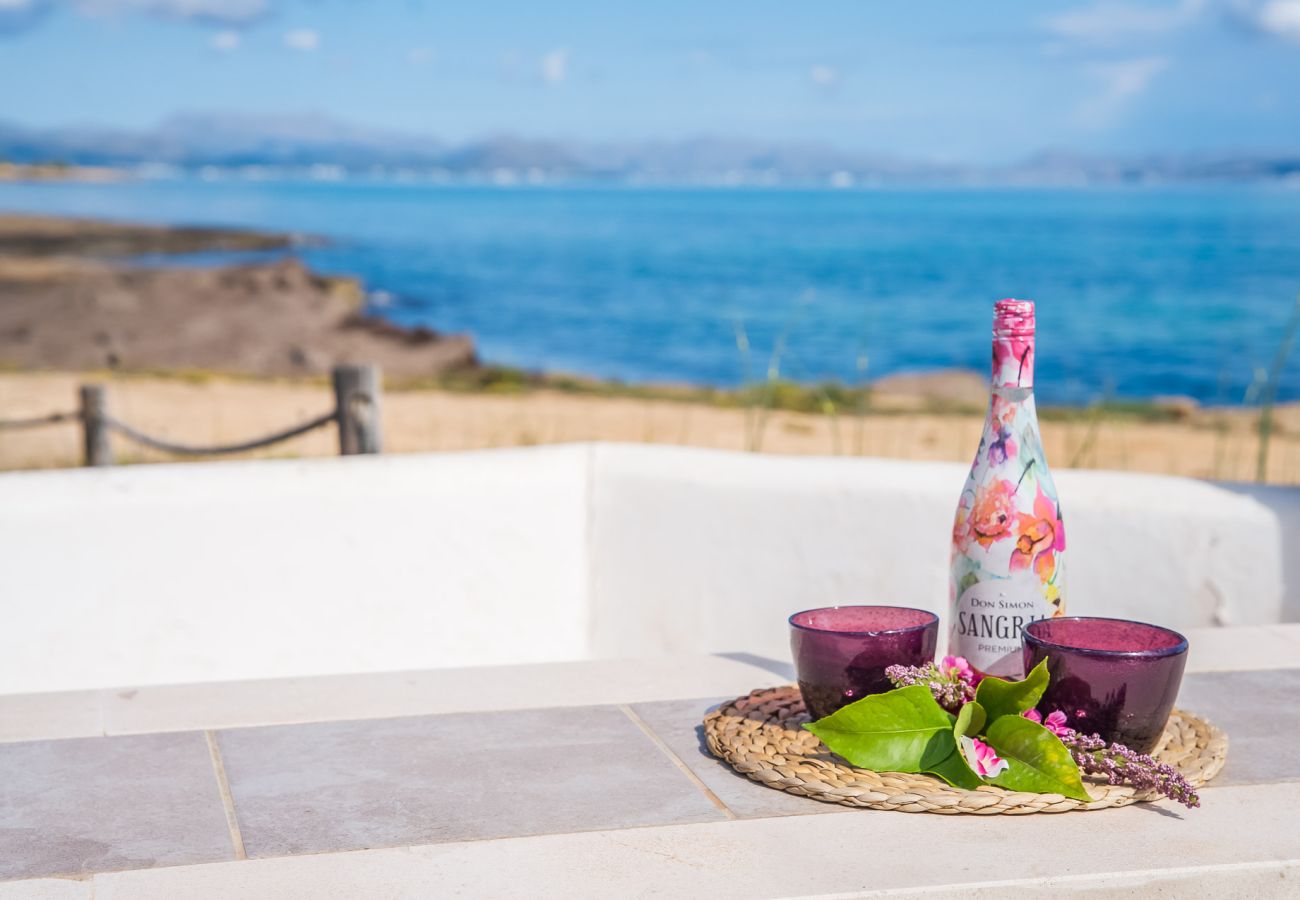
(292, 143)
(1063, 167)
(512, 153)
(194, 141)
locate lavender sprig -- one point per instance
(950, 689)
(1119, 764)
(952, 683)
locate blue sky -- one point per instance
(955, 81)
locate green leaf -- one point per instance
(1011, 698)
(966, 581)
(955, 771)
(1037, 760)
(970, 719)
(904, 730)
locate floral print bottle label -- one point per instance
(1008, 539)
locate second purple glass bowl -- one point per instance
(1111, 677)
(841, 652)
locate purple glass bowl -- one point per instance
(841, 652)
(1113, 677)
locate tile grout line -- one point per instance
(227, 799)
(677, 761)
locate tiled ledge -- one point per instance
(1241, 845)
(236, 704)
(148, 709)
(307, 778)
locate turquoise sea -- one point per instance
(1140, 291)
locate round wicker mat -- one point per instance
(761, 736)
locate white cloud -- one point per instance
(225, 41)
(824, 76)
(419, 56)
(19, 15)
(555, 66)
(303, 39)
(1104, 22)
(1280, 18)
(224, 12)
(1121, 83)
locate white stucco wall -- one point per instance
(710, 551)
(211, 571)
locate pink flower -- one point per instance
(1041, 536)
(982, 758)
(957, 667)
(990, 517)
(1055, 721)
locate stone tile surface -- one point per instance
(1289, 630)
(47, 889)
(95, 804)
(678, 723)
(1261, 714)
(188, 707)
(1240, 844)
(38, 717)
(284, 701)
(388, 782)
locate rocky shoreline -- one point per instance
(72, 298)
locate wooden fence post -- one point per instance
(94, 430)
(357, 394)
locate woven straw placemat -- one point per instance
(761, 736)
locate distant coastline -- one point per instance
(316, 147)
(50, 171)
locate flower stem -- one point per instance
(1119, 764)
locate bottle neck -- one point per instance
(1011, 439)
(1012, 405)
(1013, 362)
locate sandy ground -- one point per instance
(217, 410)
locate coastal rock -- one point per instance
(41, 236)
(1177, 406)
(944, 389)
(272, 318)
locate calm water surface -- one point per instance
(1140, 291)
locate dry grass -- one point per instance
(213, 409)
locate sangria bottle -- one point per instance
(1008, 540)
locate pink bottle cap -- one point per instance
(1013, 318)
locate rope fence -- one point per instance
(356, 412)
(221, 449)
(38, 421)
